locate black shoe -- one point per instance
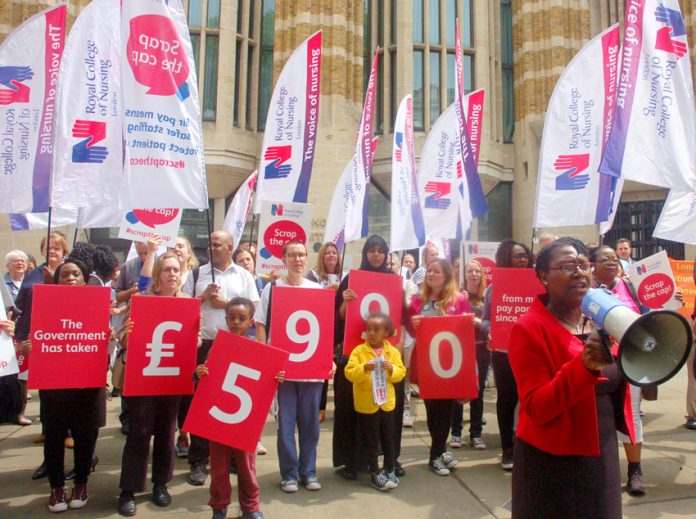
(160, 496)
(197, 476)
(41, 472)
(399, 471)
(70, 475)
(348, 474)
(126, 503)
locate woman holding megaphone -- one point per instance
(572, 399)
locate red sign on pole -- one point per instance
(514, 290)
(69, 336)
(231, 403)
(377, 292)
(302, 324)
(162, 346)
(446, 357)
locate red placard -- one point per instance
(446, 357)
(231, 403)
(513, 292)
(162, 346)
(69, 336)
(302, 324)
(684, 278)
(377, 292)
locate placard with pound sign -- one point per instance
(162, 346)
(302, 323)
(69, 337)
(446, 357)
(377, 292)
(231, 403)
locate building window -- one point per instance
(434, 33)
(636, 221)
(380, 19)
(204, 28)
(266, 61)
(496, 224)
(506, 61)
(246, 61)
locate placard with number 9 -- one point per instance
(302, 323)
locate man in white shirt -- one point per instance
(230, 281)
(623, 251)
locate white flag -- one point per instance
(357, 202)
(88, 156)
(407, 229)
(654, 128)
(29, 64)
(164, 164)
(570, 191)
(677, 221)
(237, 214)
(83, 218)
(290, 137)
(343, 195)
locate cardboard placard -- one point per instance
(654, 282)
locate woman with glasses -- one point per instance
(572, 399)
(510, 254)
(607, 273)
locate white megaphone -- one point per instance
(652, 347)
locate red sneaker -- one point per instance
(57, 502)
(78, 498)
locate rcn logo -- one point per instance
(277, 209)
(642, 269)
(277, 168)
(672, 36)
(16, 91)
(399, 146)
(85, 151)
(439, 190)
(572, 166)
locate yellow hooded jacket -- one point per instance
(362, 381)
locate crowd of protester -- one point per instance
(557, 418)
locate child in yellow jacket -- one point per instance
(373, 368)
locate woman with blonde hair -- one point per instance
(189, 263)
(439, 296)
(328, 271)
(151, 415)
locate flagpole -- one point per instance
(74, 240)
(210, 245)
(251, 229)
(48, 233)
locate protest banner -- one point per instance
(652, 277)
(279, 224)
(678, 218)
(303, 325)
(481, 251)
(513, 292)
(70, 337)
(231, 403)
(683, 272)
(377, 292)
(162, 346)
(8, 358)
(291, 132)
(29, 64)
(141, 224)
(446, 363)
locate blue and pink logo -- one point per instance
(642, 269)
(277, 209)
(13, 78)
(439, 191)
(278, 167)
(572, 166)
(672, 36)
(85, 151)
(399, 142)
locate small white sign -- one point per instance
(279, 224)
(654, 282)
(141, 224)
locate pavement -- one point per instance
(477, 488)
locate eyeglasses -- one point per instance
(520, 255)
(569, 268)
(607, 261)
(296, 255)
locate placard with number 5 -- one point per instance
(377, 292)
(302, 323)
(231, 403)
(446, 357)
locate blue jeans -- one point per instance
(298, 403)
